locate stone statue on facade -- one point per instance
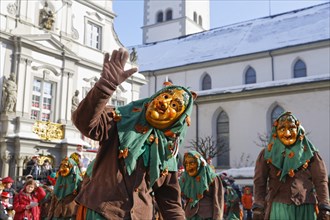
(133, 56)
(9, 93)
(47, 17)
(75, 101)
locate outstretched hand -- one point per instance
(113, 67)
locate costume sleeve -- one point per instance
(168, 198)
(92, 117)
(320, 179)
(261, 173)
(218, 199)
(40, 193)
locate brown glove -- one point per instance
(258, 214)
(113, 68)
(323, 215)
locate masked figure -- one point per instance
(201, 188)
(136, 165)
(66, 188)
(297, 178)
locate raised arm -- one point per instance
(92, 117)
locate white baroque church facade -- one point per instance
(50, 51)
(245, 74)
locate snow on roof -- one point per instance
(244, 172)
(293, 28)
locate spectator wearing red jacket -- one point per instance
(247, 202)
(26, 203)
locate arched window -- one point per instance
(169, 15)
(299, 69)
(277, 111)
(206, 82)
(250, 76)
(160, 17)
(200, 20)
(195, 17)
(223, 139)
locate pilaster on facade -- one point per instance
(6, 159)
(19, 159)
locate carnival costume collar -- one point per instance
(289, 159)
(158, 147)
(66, 185)
(193, 187)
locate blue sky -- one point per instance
(129, 18)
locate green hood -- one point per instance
(194, 187)
(289, 159)
(134, 132)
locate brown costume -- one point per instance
(298, 189)
(111, 191)
(211, 205)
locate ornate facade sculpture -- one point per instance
(133, 56)
(48, 131)
(47, 17)
(75, 101)
(9, 93)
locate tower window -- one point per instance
(160, 17)
(169, 15)
(195, 17)
(200, 20)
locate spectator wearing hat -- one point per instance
(8, 207)
(8, 183)
(3, 212)
(26, 203)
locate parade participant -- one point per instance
(234, 211)
(48, 186)
(247, 201)
(138, 150)
(201, 188)
(8, 183)
(68, 181)
(296, 175)
(27, 200)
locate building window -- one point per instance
(206, 82)
(222, 129)
(42, 100)
(117, 102)
(195, 17)
(169, 15)
(160, 17)
(200, 20)
(250, 76)
(277, 111)
(93, 35)
(299, 69)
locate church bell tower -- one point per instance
(168, 19)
